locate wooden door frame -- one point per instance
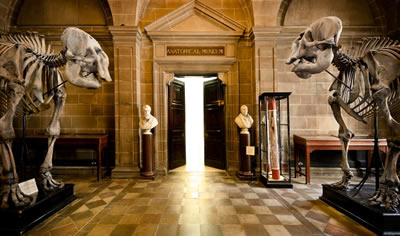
(163, 74)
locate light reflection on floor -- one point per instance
(196, 203)
(197, 169)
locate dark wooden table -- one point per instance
(310, 143)
(96, 141)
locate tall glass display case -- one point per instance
(274, 128)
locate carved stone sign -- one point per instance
(195, 51)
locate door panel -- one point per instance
(214, 124)
(176, 124)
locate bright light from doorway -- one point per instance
(194, 104)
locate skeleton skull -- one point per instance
(86, 60)
(313, 47)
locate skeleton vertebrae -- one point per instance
(38, 72)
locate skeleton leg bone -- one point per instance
(387, 194)
(345, 135)
(53, 131)
(9, 185)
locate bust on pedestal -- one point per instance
(244, 121)
(147, 123)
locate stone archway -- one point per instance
(178, 49)
(13, 8)
(376, 12)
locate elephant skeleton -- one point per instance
(28, 71)
(367, 84)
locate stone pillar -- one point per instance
(126, 41)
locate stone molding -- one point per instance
(53, 33)
(125, 33)
(162, 27)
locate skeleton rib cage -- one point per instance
(39, 70)
(354, 87)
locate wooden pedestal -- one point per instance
(245, 170)
(148, 159)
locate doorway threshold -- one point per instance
(205, 169)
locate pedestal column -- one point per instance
(245, 169)
(147, 154)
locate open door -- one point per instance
(214, 124)
(176, 124)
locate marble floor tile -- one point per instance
(196, 203)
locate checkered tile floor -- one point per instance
(196, 203)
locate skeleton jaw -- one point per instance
(309, 65)
(80, 78)
(305, 67)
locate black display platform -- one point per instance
(375, 218)
(274, 183)
(16, 221)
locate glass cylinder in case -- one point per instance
(274, 128)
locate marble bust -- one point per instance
(148, 121)
(244, 120)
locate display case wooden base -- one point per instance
(377, 219)
(275, 183)
(17, 221)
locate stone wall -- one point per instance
(235, 9)
(86, 111)
(257, 66)
(310, 112)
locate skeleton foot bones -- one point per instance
(387, 197)
(388, 193)
(47, 181)
(345, 182)
(9, 189)
(28, 70)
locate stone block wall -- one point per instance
(310, 111)
(259, 66)
(86, 111)
(146, 72)
(127, 96)
(234, 9)
(6, 7)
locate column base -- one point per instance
(245, 176)
(145, 175)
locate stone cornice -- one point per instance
(53, 33)
(259, 34)
(289, 33)
(125, 33)
(196, 61)
(195, 37)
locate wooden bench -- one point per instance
(95, 141)
(310, 143)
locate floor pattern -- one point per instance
(196, 203)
